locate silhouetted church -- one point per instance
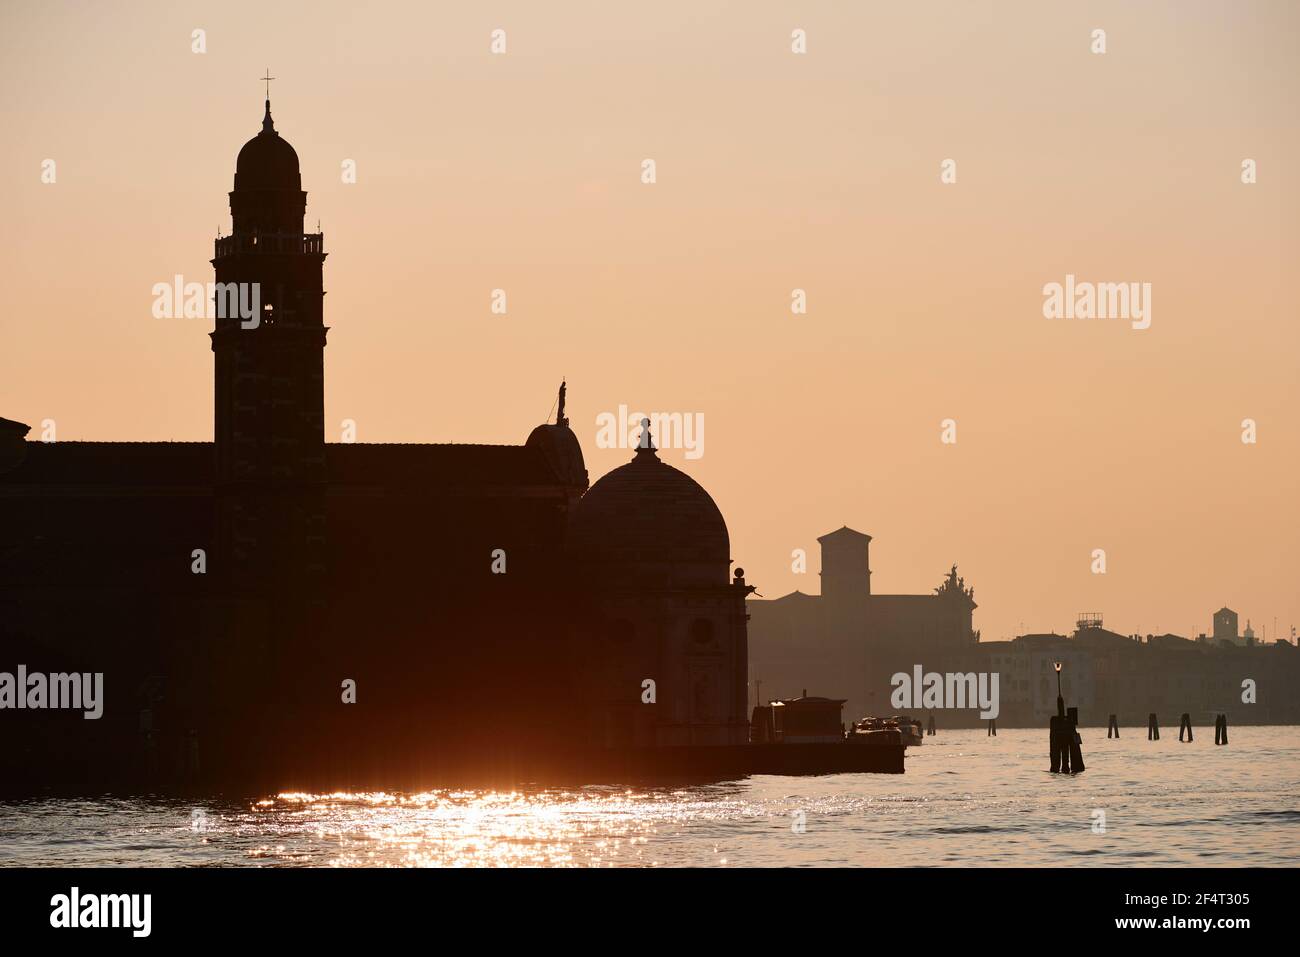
(478, 595)
(849, 641)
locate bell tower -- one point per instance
(269, 364)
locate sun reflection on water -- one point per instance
(463, 828)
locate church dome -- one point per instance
(559, 447)
(649, 523)
(267, 161)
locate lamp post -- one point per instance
(1067, 755)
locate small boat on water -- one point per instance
(913, 731)
(804, 736)
(899, 729)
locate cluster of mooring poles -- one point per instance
(1066, 750)
(1184, 728)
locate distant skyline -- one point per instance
(775, 172)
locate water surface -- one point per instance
(966, 799)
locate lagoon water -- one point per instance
(966, 799)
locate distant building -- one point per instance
(1225, 625)
(1077, 684)
(848, 642)
(1170, 674)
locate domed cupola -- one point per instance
(268, 199)
(267, 161)
(559, 447)
(649, 524)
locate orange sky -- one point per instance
(775, 172)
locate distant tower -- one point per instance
(1249, 634)
(1225, 625)
(846, 565)
(269, 415)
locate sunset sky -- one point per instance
(775, 171)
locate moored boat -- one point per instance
(899, 729)
(912, 729)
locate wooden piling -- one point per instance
(1112, 729)
(1054, 745)
(930, 730)
(993, 728)
(1221, 729)
(1074, 741)
(1185, 724)
(1153, 727)
(1065, 749)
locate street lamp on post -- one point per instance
(1067, 755)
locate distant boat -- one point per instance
(899, 729)
(913, 731)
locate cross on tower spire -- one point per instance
(267, 125)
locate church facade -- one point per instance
(472, 600)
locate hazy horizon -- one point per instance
(775, 172)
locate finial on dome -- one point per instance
(560, 417)
(267, 125)
(645, 447)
